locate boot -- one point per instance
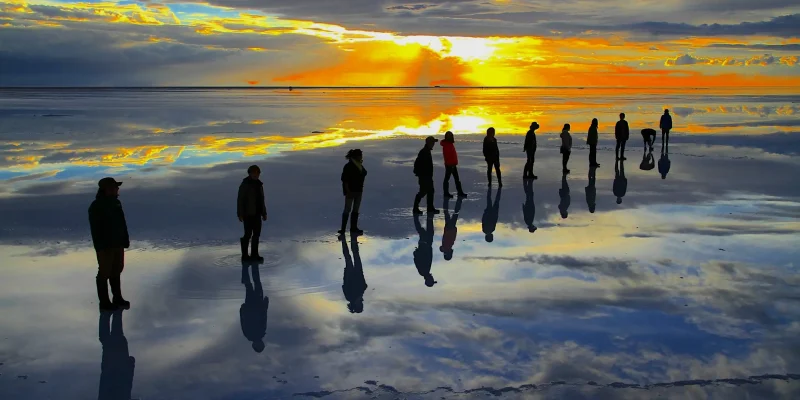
(344, 224)
(243, 243)
(460, 189)
(102, 295)
(446, 190)
(116, 291)
(417, 199)
(431, 208)
(354, 225)
(499, 179)
(254, 256)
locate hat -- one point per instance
(108, 182)
(431, 139)
(535, 125)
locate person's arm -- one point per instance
(240, 202)
(100, 227)
(126, 237)
(526, 146)
(661, 122)
(263, 204)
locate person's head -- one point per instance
(258, 345)
(566, 127)
(621, 116)
(619, 200)
(490, 132)
(108, 187)
(489, 238)
(356, 307)
(429, 282)
(448, 253)
(594, 122)
(534, 125)
(666, 111)
(449, 137)
(355, 154)
(532, 228)
(430, 141)
(254, 172)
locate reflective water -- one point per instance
(687, 289)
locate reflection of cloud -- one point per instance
(605, 266)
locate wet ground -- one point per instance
(688, 288)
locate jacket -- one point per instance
(253, 316)
(353, 177)
(423, 165)
(592, 138)
(250, 201)
(530, 142)
(566, 140)
(621, 130)
(666, 122)
(620, 185)
(107, 223)
(449, 152)
(490, 150)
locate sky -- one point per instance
(646, 43)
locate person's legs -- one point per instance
(446, 182)
(497, 170)
(101, 280)
(489, 171)
(526, 171)
(593, 154)
(459, 189)
(255, 222)
(420, 194)
(429, 194)
(348, 207)
(617, 150)
(354, 216)
(117, 265)
(622, 149)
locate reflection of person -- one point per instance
(620, 181)
(423, 254)
(251, 210)
(529, 207)
(591, 190)
(353, 283)
(491, 153)
(563, 193)
(649, 137)
(491, 214)
(591, 140)
(663, 162)
(353, 175)
(666, 125)
(530, 151)
(110, 239)
(648, 161)
(423, 169)
(450, 230)
(117, 365)
(253, 313)
(621, 133)
(450, 165)
(566, 148)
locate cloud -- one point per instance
(411, 7)
(685, 59)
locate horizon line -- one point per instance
(384, 87)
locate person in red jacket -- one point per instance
(450, 165)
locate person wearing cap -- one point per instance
(621, 133)
(491, 153)
(353, 175)
(423, 169)
(110, 239)
(450, 165)
(423, 254)
(530, 150)
(666, 125)
(591, 140)
(251, 209)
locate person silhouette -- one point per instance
(621, 133)
(450, 165)
(663, 162)
(491, 153)
(423, 254)
(450, 229)
(563, 194)
(353, 283)
(591, 139)
(491, 214)
(591, 190)
(110, 239)
(253, 312)
(648, 161)
(620, 181)
(529, 207)
(649, 137)
(423, 169)
(666, 125)
(530, 151)
(251, 209)
(353, 176)
(566, 148)
(117, 365)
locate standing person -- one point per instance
(251, 209)
(450, 165)
(566, 148)
(353, 282)
(591, 190)
(664, 163)
(591, 140)
(423, 169)
(353, 175)
(620, 181)
(564, 196)
(490, 215)
(253, 312)
(530, 150)
(110, 239)
(450, 229)
(666, 125)
(491, 153)
(117, 365)
(621, 133)
(529, 207)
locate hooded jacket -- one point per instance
(107, 223)
(250, 202)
